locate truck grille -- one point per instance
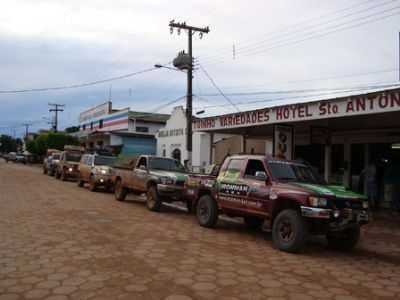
(180, 183)
(342, 203)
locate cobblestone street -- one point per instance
(59, 241)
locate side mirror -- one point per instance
(142, 167)
(261, 175)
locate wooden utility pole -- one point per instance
(56, 109)
(26, 130)
(189, 98)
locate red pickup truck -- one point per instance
(287, 197)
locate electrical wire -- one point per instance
(80, 85)
(304, 90)
(282, 99)
(286, 28)
(279, 35)
(218, 89)
(315, 34)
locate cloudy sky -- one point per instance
(280, 46)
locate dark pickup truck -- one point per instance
(286, 197)
(162, 179)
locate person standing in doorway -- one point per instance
(371, 184)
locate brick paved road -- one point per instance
(58, 241)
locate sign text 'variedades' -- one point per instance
(354, 105)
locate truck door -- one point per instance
(231, 189)
(255, 176)
(140, 174)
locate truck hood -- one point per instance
(177, 176)
(336, 191)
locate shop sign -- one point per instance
(171, 132)
(283, 142)
(95, 112)
(348, 106)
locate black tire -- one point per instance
(44, 171)
(344, 240)
(289, 231)
(92, 184)
(189, 206)
(253, 222)
(58, 175)
(153, 200)
(120, 192)
(207, 211)
(81, 183)
(51, 172)
(62, 176)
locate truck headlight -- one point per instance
(317, 201)
(166, 180)
(365, 204)
(70, 169)
(103, 171)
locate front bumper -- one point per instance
(71, 174)
(170, 191)
(103, 180)
(342, 216)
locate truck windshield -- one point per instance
(74, 157)
(287, 171)
(104, 160)
(166, 164)
(55, 156)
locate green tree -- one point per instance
(51, 141)
(7, 144)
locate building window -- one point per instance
(91, 125)
(164, 153)
(101, 124)
(142, 129)
(84, 127)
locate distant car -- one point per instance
(67, 168)
(20, 158)
(50, 164)
(96, 170)
(12, 156)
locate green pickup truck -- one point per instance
(162, 179)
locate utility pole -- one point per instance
(56, 108)
(189, 97)
(26, 130)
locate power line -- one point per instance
(283, 98)
(304, 90)
(352, 75)
(218, 89)
(278, 35)
(295, 25)
(160, 107)
(315, 34)
(80, 85)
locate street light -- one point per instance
(162, 66)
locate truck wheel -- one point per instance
(92, 184)
(58, 175)
(119, 191)
(44, 171)
(253, 222)
(81, 183)
(62, 176)
(153, 201)
(344, 240)
(189, 206)
(207, 211)
(50, 173)
(289, 231)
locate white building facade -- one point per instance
(171, 142)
